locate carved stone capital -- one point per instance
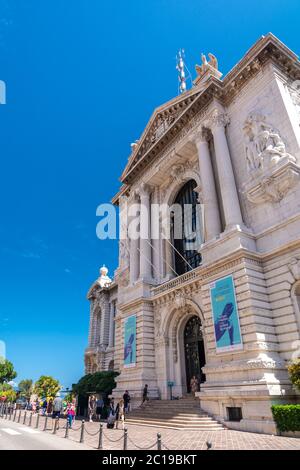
(217, 119)
(144, 190)
(201, 136)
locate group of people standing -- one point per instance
(55, 408)
(113, 412)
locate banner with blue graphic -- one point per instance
(130, 341)
(225, 315)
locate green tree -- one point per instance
(294, 372)
(99, 382)
(26, 388)
(7, 371)
(7, 391)
(46, 386)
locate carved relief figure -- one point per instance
(264, 147)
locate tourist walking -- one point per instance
(50, 406)
(99, 407)
(194, 385)
(70, 412)
(111, 415)
(37, 405)
(44, 407)
(145, 395)
(92, 407)
(126, 398)
(57, 407)
(120, 413)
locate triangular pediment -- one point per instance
(160, 122)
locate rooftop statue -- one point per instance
(104, 280)
(207, 65)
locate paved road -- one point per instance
(14, 436)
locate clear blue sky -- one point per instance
(82, 80)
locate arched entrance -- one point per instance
(194, 351)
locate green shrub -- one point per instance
(286, 417)
(294, 372)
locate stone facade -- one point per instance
(99, 355)
(238, 138)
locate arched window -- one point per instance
(188, 240)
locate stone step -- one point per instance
(213, 426)
(170, 416)
(182, 414)
(175, 421)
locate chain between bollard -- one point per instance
(142, 448)
(82, 432)
(100, 443)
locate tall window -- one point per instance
(186, 252)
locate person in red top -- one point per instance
(70, 411)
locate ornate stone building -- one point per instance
(232, 144)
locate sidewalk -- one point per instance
(146, 437)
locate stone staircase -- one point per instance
(184, 413)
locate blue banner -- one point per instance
(130, 341)
(225, 315)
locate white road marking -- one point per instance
(29, 430)
(10, 431)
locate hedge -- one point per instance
(286, 417)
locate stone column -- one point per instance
(155, 234)
(209, 194)
(134, 256)
(145, 238)
(231, 204)
(111, 325)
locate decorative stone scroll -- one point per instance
(294, 267)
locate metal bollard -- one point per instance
(82, 432)
(125, 439)
(19, 417)
(158, 441)
(45, 423)
(67, 429)
(24, 419)
(15, 414)
(100, 443)
(6, 412)
(10, 413)
(55, 425)
(37, 421)
(30, 419)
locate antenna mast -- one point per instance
(183, 72)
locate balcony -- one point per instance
(176, 282)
